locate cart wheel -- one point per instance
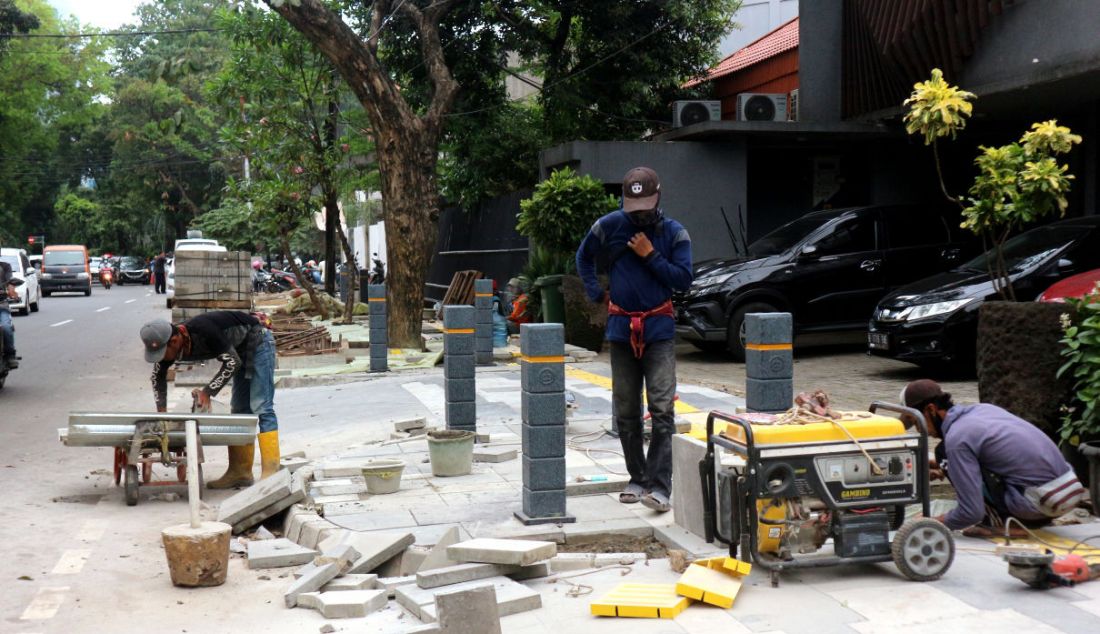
(923, 549)
(131, 485)
(120, 463)
(146, 472)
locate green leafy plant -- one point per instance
(541, 262)
(1017, 184)
(1081, 348)
(562, 209)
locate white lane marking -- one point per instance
(100, 310)
(92, 530)
(60, 323)
(130, 301)
(45, 604)
(71, 562)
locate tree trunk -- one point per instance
(332, 209)
(353, 276)
(321, 309)
(411, 201)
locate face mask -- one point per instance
(645, 217)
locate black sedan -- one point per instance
(132, 269)
(934, 322)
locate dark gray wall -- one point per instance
(696, 179)
(1032, 43)
(820, 29)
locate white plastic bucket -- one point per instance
(383, 475)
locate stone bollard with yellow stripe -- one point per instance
(769, 362)
(458, 367)
(483, 303)
(379, 323)
(542, 374)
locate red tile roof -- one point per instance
(783, 38)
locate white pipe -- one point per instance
(192, 430)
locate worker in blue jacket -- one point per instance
(647, 257)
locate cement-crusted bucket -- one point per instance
(451, 452)
(383, 475)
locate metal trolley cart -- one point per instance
(142, 439)
(845, 480)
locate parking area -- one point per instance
(843, 369)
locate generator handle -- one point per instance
(707, 475)
(917, 420)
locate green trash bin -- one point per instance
(553, 302)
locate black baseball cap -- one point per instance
(641, 189)
(920, 392)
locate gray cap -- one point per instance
(641, 189)
(155, 336)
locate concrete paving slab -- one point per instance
(351, 582)
(345, 605)
(512, 597)
(255, 498)
(374, 548)
(987, 621)
(437, 557)
(391, 584)
(431, 534)
(676, 537)
(343, 555)
(460, 573)
(296, 518)
(495, 454)
(297, 494)
(583, 532)
(310, 582)
(277, 553)
(472, 611)
(599, 507)
(515, 552)
(375, 521)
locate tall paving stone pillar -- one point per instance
(483, 303)
(458, 367)
(379, 321)
(769, 362)
(542, 368)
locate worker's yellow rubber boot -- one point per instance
(239, 472)
(269, 453)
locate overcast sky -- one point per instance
(105, 14)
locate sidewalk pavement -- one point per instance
(350, 420)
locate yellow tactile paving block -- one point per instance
(728, 565)
(641, 600)
(602, 381)
(711, 586)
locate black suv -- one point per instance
(133, 269)
(828, 268)
(934, 322)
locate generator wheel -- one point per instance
(923, 549)
(131, 485)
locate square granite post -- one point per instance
(379, 320)
(458, 367)
(542, 373)
(769, 362)
(483, 303)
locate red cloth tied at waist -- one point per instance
(637, 322)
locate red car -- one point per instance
(1074, 286)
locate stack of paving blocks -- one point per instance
(458, 367)
(769, 362)
(714, 581)
(542, 373)
(483, 303)
(379, 320)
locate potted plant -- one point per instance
(556, 218)
(1081, 415)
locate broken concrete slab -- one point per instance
(295, 516)
(351, 582)
(679, 538)
(517, 552)
(292, 464)
(297, 494)
(343, 555)
(313, 533)
(374, 548)
(461, 573)
(410, 424)
(310, 582)
(277, 553)
(391, 584)
(512, 598)
(495, 454)
(472, 611)
(344, 605)
(437, 557)
(566, 562)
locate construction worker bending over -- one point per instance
(246, 350)
(1000, 465)
(648, 256)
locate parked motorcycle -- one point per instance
(106, 277)
(4, 370)
(281, 281)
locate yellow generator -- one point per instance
(845, 480)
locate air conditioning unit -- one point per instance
(761, 107)
(794, 105)
(691, 112)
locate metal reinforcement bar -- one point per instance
(90, 429)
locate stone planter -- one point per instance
(1018, 357)
(584, 321)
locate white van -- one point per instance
(30, 293)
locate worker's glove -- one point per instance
(934, 470)
(200, 399)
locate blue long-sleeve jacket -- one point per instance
(637, 284)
